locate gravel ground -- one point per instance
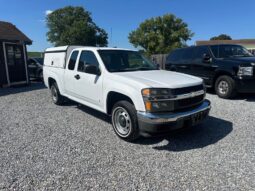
(48, 147)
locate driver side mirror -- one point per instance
(207, 58)
(92, 69)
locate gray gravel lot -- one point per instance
(72, 147)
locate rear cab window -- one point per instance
(72, 61)
(187, 55)
(175, 56)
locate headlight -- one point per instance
(157, 99)
(245, 71)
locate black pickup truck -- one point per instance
(228, 68)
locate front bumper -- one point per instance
(245, 85)
(165, 122)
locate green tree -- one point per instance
(161, 34)
(221, 37)
(74, 26)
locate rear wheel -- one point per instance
(57, 98)
(225, 87)
(124, 121)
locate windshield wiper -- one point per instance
(145, 68)
(124, 70)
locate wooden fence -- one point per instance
(159, 59)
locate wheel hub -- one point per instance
(54, 93)
(223, 87)
(122, 122)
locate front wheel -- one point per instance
(225, 87)
(124, 121)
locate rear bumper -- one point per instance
(165, 122)
(246, 85)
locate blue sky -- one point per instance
(206, 18)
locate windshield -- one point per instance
(123, 60)
(228, 51)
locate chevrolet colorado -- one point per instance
(140, 98)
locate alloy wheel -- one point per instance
(223, 87)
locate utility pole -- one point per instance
(111, 39)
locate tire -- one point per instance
(225, 87)
(57, 98)
(124, 121)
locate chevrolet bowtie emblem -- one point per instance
(193, 94)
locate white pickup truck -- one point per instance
(140, 98)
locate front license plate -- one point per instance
(198, 117)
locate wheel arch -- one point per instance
(51, 81)
(113, 97)
(221, 73)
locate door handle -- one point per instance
(183, 66)
(77, 77)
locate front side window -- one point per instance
(124, 60)
(199, 52)
(228, 51)
(87, 58)
(72, 61)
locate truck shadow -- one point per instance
(93, 112)
(205, 134)
(246, 97)
(249, 97)
(209, 132)
(21, 88)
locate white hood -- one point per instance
(161, 79)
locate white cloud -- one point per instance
(47, 12)
(41, 20)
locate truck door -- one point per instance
(178, 61)
(69, 77)
(200, 67)
(185, 61)
(88, 86)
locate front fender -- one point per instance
(128, 91)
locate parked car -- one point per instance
(141, 99)
(227, 68)
(35, 68)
